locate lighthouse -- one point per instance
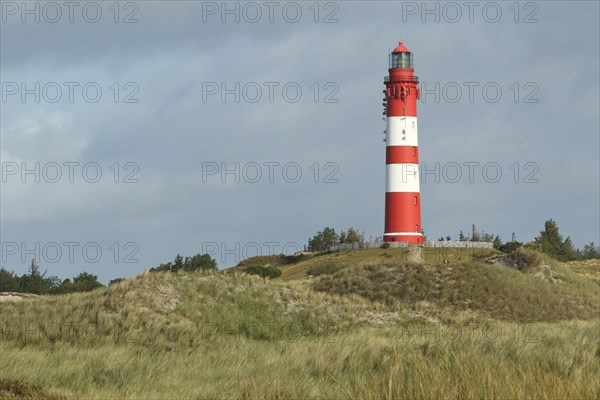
(402, 191)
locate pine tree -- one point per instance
(323, 240)
(354, 236)
(589, 251)
(9, 281)
(497, 242)
(343, 238)
(551, 242)
(474, 234)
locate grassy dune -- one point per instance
(370, 325)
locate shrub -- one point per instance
(509, 247)
(264, 271)
(385, 245)
(194, 263)
(322, 269)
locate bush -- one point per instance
(385, 245)
(509, 247)
(323, 269)
(264, 271)
(194, 263)
(116, 280)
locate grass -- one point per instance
(549, 361)
(541, 293)
(356, 324)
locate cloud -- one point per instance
(175, 128)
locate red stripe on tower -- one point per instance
(402, 194)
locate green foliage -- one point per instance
(509, 247)
(116, 280)
(323, 240)
(9, 281)
(323, 269)
(539, 292)
(589, 251)
(265, 271)
(497, 242)
(474, 234)
(550, 241)
(385, 245)
(477, 236)
(84, 282)
(36, 282)
(194, 263)
(352, 236)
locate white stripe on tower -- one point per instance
(402, 131)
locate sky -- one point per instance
(131, 132)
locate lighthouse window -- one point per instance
(414, 151)
(415, 200)
(413, 124)
(401, 60)
(416, 228)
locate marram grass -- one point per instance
(432, 333)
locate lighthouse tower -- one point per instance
(402, 193)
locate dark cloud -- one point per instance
(171, 53)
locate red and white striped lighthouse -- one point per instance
(402, 192)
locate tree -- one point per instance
(568, 250)
(497, 242)
(84, 282)
(351, 236)
(323, 240)
(354, 236)
(116, 280)
(36, 282)
(509, 247)
(66, 286)
(474, 234)
(551, 242)
(461, 237)
(197, 262)
(9, 281)
(178, 263)
(589, 251)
